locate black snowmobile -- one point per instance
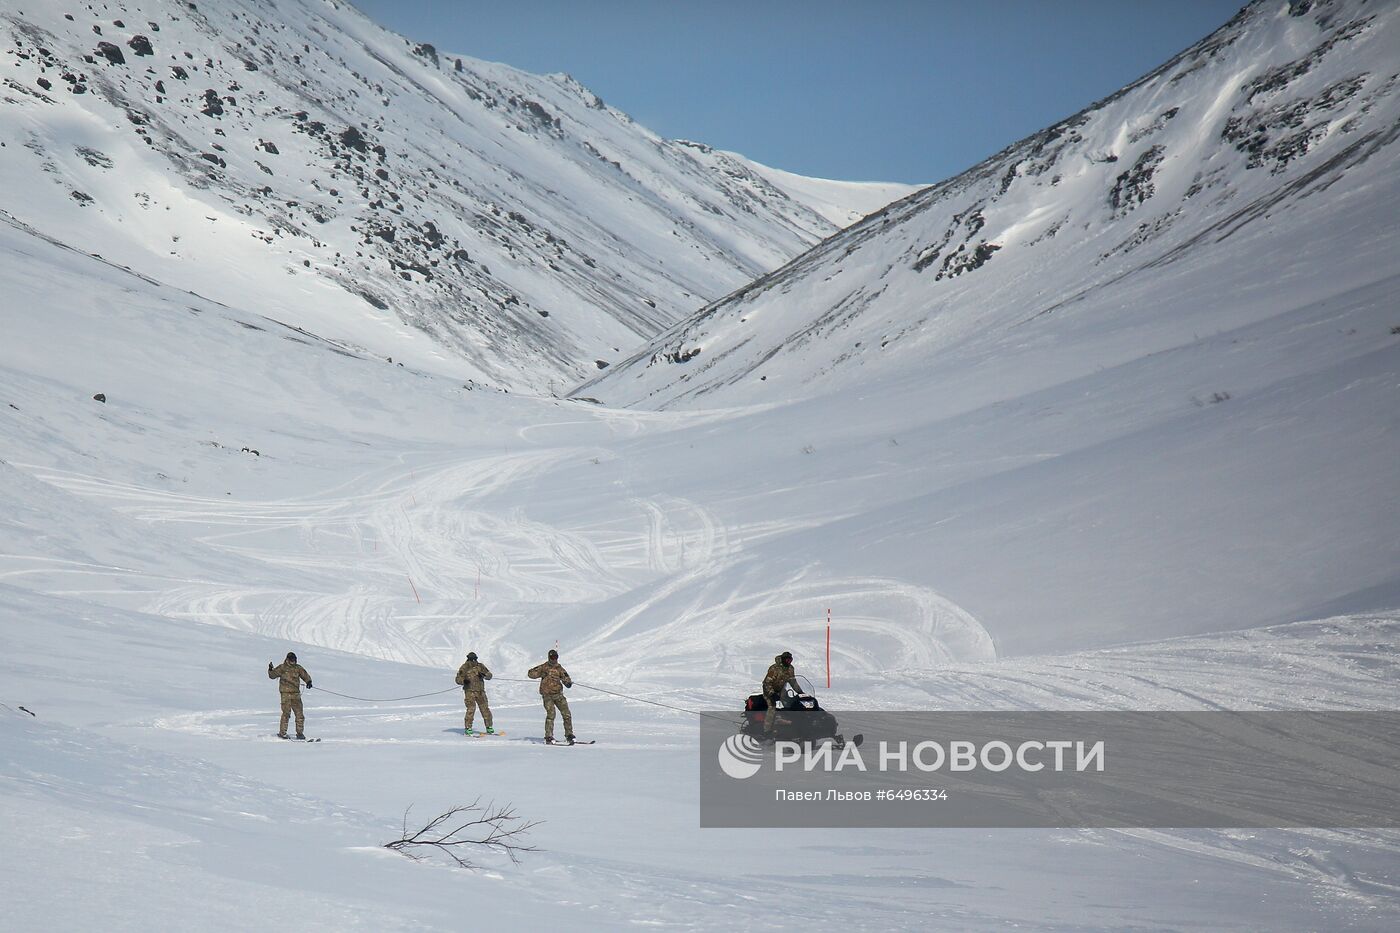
(800, 719)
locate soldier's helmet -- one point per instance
(471, 655)
(553, 655)
(786, 656)
(292, 656)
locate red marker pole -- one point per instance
(828, 649)
(415, 589)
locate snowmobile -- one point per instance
(800, 718)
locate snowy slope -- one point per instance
(391, 519)
(1251, 175)
(841, 202)
(1164, 403)
(296, 157)
(150, 567)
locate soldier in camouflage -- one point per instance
(473, 676)
(553, 679)
(780, 675)
(290, 675)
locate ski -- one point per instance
(484, 735)
(288, 738)
(562, 744)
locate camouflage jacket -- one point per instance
(552, 677)
(473, 676)
(290, 674)
(778, 676)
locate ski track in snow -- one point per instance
(392, 561)
(678, 570)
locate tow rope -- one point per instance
(416, 696)
(518, 680)
(682, 709)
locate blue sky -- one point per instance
(867, 90)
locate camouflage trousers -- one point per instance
(553, 701)
(291, 703)
(473, 700)
(770, 718)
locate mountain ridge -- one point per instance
(458, 214)
(1275, 105)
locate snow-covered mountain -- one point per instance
(454, 213)
(1251, 174)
